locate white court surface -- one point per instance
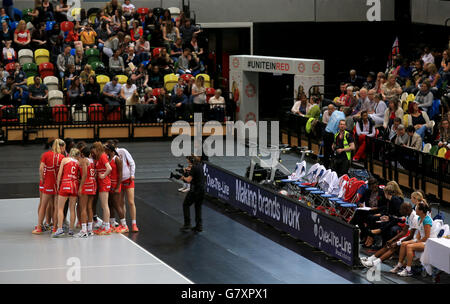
(39, 259)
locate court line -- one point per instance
(82, 267)
(146, 251)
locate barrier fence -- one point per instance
(320, 230)
(410, 168)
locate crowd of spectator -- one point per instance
(142, 44)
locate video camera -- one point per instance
(181, 172)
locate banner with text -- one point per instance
(313, 227)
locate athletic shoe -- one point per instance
(134, 228)
(396, 269)
(119, 229)
(54, 229)
(90, 233)
(105, 232)
(197, 229)
(58, 234)
(186, 228)
(125, 229)
(82, 234)
(98, 223)
(70, 233)
(405, 273)
(97, 231)
(181, 189)
(185, 190)
(364, 258)
(37, 230)
(367, 263)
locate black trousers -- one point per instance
(341, 166)
(328, 139)
(191, 198)
(361, 218)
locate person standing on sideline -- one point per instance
(194, 196)
(343, 145)
(328, 136)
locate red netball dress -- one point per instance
(104, 185)
(70, 180)
(90, 184)
(114, 176)
(51, 161)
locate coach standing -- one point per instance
(194, 196)
(343, 145)
(328, 137)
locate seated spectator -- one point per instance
(364, 127)
(301, 106)
(76, 92)
(408, 248)
(151, 23)
(116, 65)
(3, 75)
(116, 21)
(380, 81)
(419, 120)
(170, 34)
(425, 96)
(46, 11)
(401, 137)
(111, 7)
(414, 140)
(427, 57)
(391, 89)
(136, 31)
(393, 245)
(38, 92)
(349, 122)
(92, 90)
(363, 102)
(70, 75)
(84, 75)
(355, 80)
(130, 57)
(444, 68)
(195, 66)
(187, 31)
(217, 101)
(6, 92)
(314, 109)
(4, 16)
(155, 78)
(142, 49)
(128, 9)
(39, 39)
(111, 95)
(22, 37)
(180, 103)
(6, 33)
(147, 108)
(140, 78)
(88, 36)
(349, 99)
(434, 77)
(104, 36)
(176, 49)
(179, 84)
(327, 114)
(55, 35)
(392, 131)
(370, 81)
(64, 60)
(111, 45)
(443, 137)
(129, 93)
(61, 11)
(379, 109)
(9, 54)
(405, 72)
(80, 60)
(393, 110)
(343, 145)
(183, 62)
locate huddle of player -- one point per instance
(83, 175)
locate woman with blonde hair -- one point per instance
(103, 184)
(199, 94)
(434, 78)
(391, 88)
(84, 75)
(393, 110)
(395, 188)
(48, 170)
(67, 187)
(22, 36)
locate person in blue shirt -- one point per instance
(407, 249)
(8, 5)
(111, 95)
(328, 136)
(179, 103)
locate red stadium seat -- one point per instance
(10, 68)
(60, 113)
(114, 115)
(209, 93)
(142, 10)
(67, 26)
(186, 77)
(96, 111)
(46, 69)
(156, 52)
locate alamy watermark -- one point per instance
(73, 274)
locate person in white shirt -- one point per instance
(128, 176)
(217, 101)
(393, 245)
(379, 108)
(301, 106)
(128, 9)
(328, 113)
(427, 57)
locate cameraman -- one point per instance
(186, 172)
(194, 196)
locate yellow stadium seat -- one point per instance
(76, 11)
(30, 80)
(102, 80)
(122, 79)
(405, 120)
(25, 112)
(441, 152)
(207, 83)
(410, 97)
(170, 80)
(41, 56)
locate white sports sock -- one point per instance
(133, 222)
(107, 226)
(399, 264)
(408, 268)
(111, 221)
(376, 261)
(372, 258)
(123, 222)
(90, 226)
(83, 227)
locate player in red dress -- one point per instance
(48, 170)
(86, 193)
(67, 185)
(114, 194)
(103, 184)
